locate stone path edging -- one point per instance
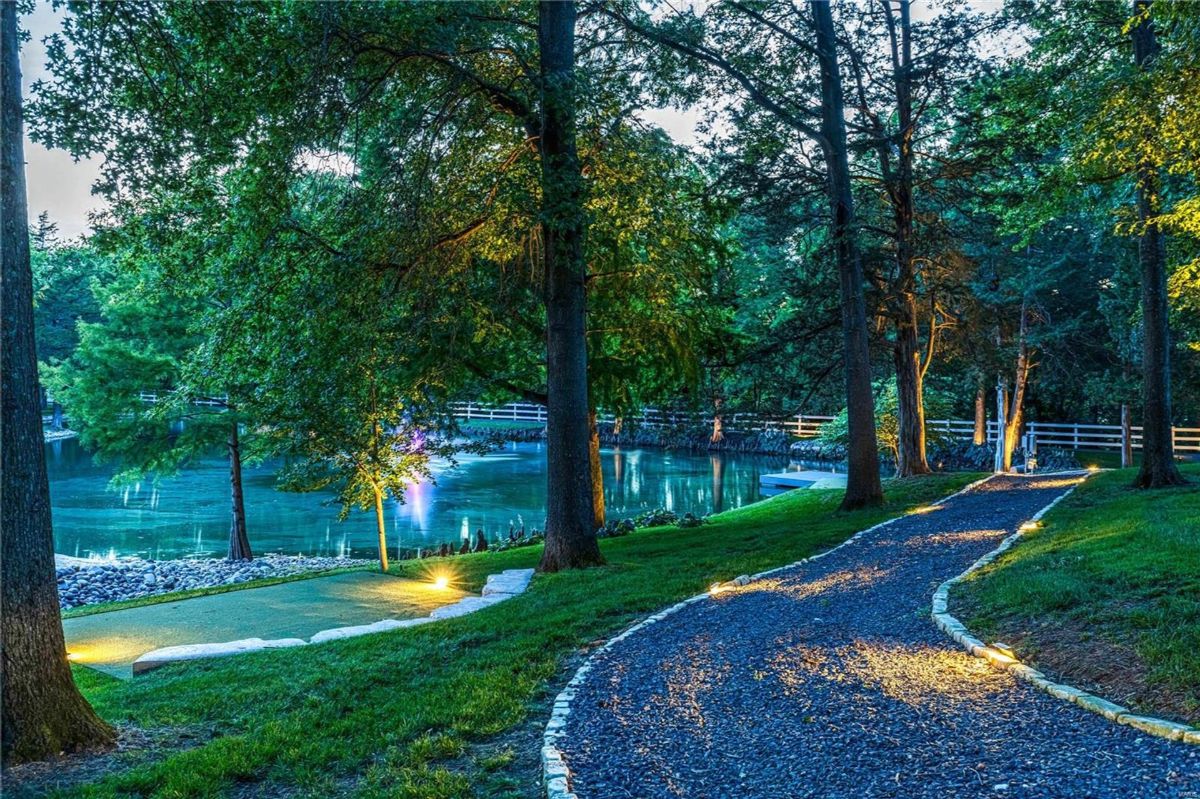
(1110, 710)
(498, 587)
(555, 773)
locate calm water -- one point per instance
(189, 516)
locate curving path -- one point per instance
(830, 679)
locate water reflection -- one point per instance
(189, 516)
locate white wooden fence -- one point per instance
(1037, 434)
(216, 402)
(801, 425)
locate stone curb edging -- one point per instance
(1110, 710)
(555, 773)
(498, 587)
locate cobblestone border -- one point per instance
(555, 773)
(1110, 710)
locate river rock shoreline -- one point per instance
(88, 582)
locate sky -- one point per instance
(57, 183)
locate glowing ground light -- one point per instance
(1003, 649)
(1093, 468)
(1027, 526)
(441, 582)
(926, 509)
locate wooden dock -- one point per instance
(772, 484)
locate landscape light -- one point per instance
(1027, 526)
(714, 589)
(441, 581)
(1004, 649)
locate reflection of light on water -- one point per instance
(417, 497)
(173, 520)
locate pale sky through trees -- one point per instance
(63, 187)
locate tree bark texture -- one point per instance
(381, 525)
(596, 470)
(980, 432)
(239, 542)
(910, 404)
(570, 536)
(1016, 411)
(863, 487)
(1158, 448)
(43, 712)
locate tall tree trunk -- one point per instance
(980, 432)
(596, 470)
(910, 404)
(43, 712)
(381, 526)
(863, 487)
(239, 543)
(1016, 412)
(570, 536)
(1158, 448)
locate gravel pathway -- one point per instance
(830, 680)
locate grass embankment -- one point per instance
(1105, 595)
(452, 709)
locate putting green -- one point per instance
(110, 642)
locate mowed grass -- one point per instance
(1106, 593)
(451, 709)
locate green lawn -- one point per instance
(1105, 595)
(452, 709)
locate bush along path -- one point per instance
(830, 679)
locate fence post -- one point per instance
(1127, 438)
(1001, 419)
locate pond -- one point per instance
(188, 516)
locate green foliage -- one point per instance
(64, 294)
(887, 424)
(142, 344)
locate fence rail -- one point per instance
(1037, 434)
(216, 402)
